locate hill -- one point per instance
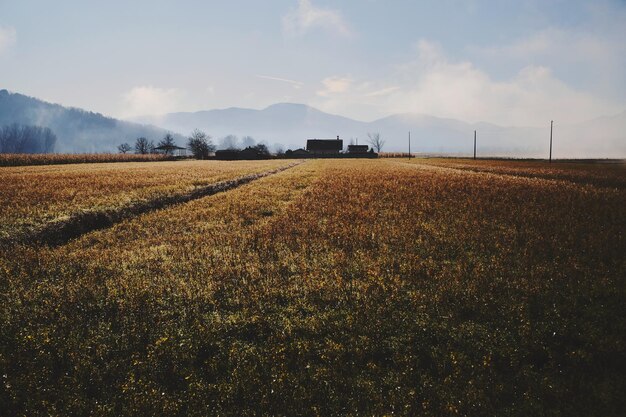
(76, 130)
(291, 124)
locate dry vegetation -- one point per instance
(602, 173)
(35, 196)
(332, 288)
(23, 159)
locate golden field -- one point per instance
(335, 287)
(33, 196)
(60, 158)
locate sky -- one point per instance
(516, 63)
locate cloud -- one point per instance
(8, 37)
(149, 100)
(335, 85)
(295, 84)
(382, 92)
(435, 85)
(307, 17)
(558, 45)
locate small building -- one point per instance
(250, 153)
(298, 153)
(227, 154)
(324, 146)
(171, 150)
(352, 149)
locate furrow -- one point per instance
(61, 232)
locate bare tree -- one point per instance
(50, 139)
(168, 143)
(229, 142)
(376, 141)
(279, 149)
(262, 149)
(143, 146)
(200, 144)
(124, 148)
(248, 142)
(16, 138)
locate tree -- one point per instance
(50, 139)
(248, 142)
(143, 146)
(261, 148)
(229, 142)
(279, 149)
(376, 141)
(200, 144)
(168, 143)
(17, 138)
(124, 147)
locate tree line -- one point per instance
(199, 144)
(18, 138)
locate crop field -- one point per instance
(55, 159)
(327, 287)
(35, 196)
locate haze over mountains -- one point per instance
(77, 131)
(289, 125)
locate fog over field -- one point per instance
(437, 69)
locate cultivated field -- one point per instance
(34, 197)
(7, 160)
(333, 287)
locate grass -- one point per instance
(36, 196)
(332, 288)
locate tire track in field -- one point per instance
(61, 232)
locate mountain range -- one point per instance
(289, 125)
(77, 131)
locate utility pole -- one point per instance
(474, 145)
(551, 124)
(409, 144)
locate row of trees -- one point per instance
(199, 143)
(17, 138)
(145, 146)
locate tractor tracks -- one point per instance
(61, 232)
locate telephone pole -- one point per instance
(474, 145)
(409, 144)
(551, 124)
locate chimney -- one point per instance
(337, 137)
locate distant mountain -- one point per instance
(291, 124)
(76, 130)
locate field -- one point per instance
(36, 197)
(330, 287)
(55, 159)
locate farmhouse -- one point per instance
(227, 154)
(324, 146)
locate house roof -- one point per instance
(324, 145)
(167, 147)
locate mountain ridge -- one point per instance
(77, 130)
(290, 124)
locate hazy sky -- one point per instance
(508, 62)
